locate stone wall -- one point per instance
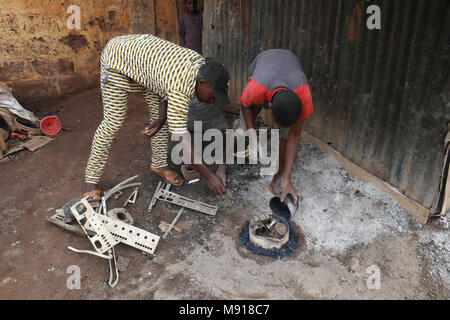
(42, 58)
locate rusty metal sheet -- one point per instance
(380, 96)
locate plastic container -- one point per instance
(50, 125)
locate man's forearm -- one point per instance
(249, 118)
(203, 170)
(292, 147)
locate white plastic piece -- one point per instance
(110, 280)
(130, 235)
(155, 197)
(103, 239)
(105, 212)
(90, 252)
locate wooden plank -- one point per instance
(37, 142)
(2, 147)
(33, 144)
(15, 149)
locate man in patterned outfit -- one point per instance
(168, 76)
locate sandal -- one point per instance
(93, 195)
(169, 176)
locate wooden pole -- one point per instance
(2, 144)
(2, 147)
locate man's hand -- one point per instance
(153, 128)
(157, 124)
(288, 188)
(215, 184)
(213, 181)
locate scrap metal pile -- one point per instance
(106, 228)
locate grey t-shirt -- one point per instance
(211, 116)
(276, 68)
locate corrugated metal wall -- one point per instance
(381, 97)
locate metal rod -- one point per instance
(136, 191)
(173, 222)
(109, 257)
(105, 212)
(129, 200)
(155, 195)
(116, 189)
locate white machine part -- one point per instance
(162, 193)
(103, 239)
(130, 235)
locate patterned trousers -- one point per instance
(115, 88)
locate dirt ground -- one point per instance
(341, 220)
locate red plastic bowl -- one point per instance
(50, 125)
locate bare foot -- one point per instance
(222, 173)
(275, 186)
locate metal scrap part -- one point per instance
(68, 216)
(117, 188)
(133, 194)
(59, 219)
(130, 235)
(121, 214)
(109, 257)
(103, 240)
(173, 222)
(162, 193)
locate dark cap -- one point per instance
(215, 73)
